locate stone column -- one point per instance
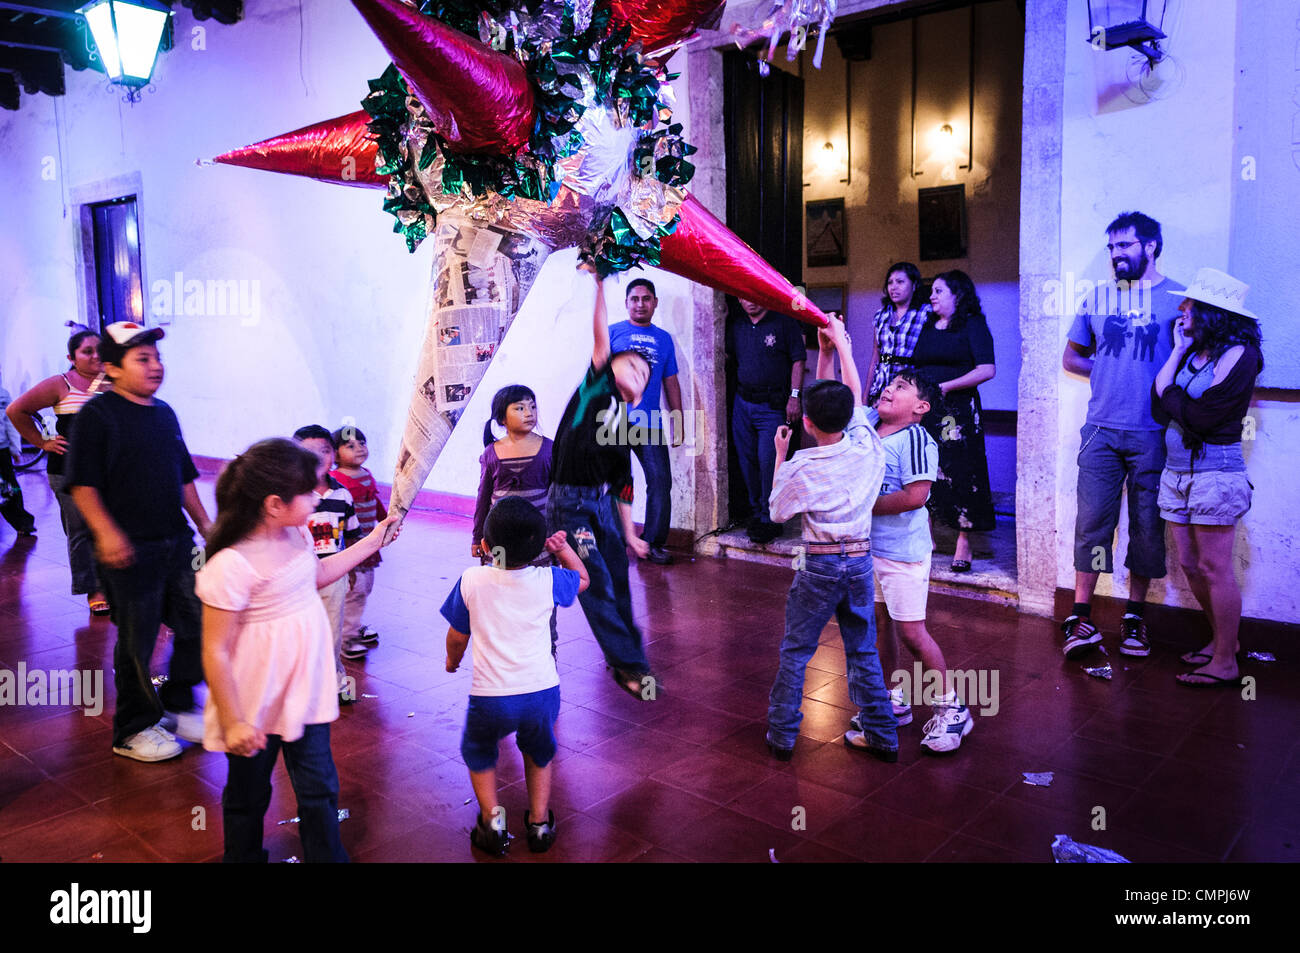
(1037, 430)
(709, 466)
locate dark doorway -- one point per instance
(119, 292)
(764, 142)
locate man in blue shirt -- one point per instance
(1120, 338)
(646, 424)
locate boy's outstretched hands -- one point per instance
(829, 337)
(782, 441)
(557, 542)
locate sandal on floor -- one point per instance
(1196, 659)
(621, 679)
(1214, 680)
(961, 565)
(99, 607)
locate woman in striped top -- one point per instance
(67, 393)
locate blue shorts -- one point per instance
(530, 717)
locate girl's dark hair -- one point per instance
(914, 276)
(1220, 330)
(275, 467)
(501, 401)
(74, 342)
(968, 301)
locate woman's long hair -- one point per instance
(1218, 330)
(913, 275)
(275, 467)
(501, 401)
(968, 301)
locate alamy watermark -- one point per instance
(212, 297)
(75, 688)
(623, 427)
(977, 688)
(1066, 296)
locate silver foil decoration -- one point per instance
(793, 17)
(1261, 656)
(344, 814)
(1066, 851)
(1039, 779)
(1100, 671)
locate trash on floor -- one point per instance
(1067, 851)
(1039, 779)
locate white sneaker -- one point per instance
(902, 710)
(152, 744)
(184, 724)
(944, 732)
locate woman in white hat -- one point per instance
(1203, 393)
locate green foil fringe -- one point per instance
(620, 79)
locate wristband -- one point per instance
(794, 392)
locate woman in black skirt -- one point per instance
(955, 350)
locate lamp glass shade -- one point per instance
(127, 36)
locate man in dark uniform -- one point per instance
(769, 353)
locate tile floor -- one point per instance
(1174, 774)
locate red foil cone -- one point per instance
(661, 23)
(706, 251)
(336, 150)
(478, 99)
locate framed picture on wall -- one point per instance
(826, 244)
(942, 216)
(829, 298)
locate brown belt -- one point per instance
(851, 547)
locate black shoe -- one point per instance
(781, 754)
(1080, 636)
(1133, 638)
(488, 839)
(540, 836)
(856, 741)
(660, 556)
(765, 533)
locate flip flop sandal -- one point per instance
(961, 565)
(1195, 659)
(1215, 681)
(621, 679)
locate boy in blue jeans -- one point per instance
(516, 689)
(834, 485)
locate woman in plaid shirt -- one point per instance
(898, 325)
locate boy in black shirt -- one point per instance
(591, 478)
(130, 474)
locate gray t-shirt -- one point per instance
(1130, 327)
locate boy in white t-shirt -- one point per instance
(900, 538)
(516, 690)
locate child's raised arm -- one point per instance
(332, 568)
(558, 546)
(599, 326)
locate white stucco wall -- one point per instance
(340, 303)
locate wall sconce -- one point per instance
(1116, 23)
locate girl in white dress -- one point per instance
(267, 648)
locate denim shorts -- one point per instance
(1110, 462)
(531, 718)
(1204, 498)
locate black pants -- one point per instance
(12, 508)
(157, 588)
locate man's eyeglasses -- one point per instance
(1119, 246)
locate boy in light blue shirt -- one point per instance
(901, 544)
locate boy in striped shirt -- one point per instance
(350, 452)
(901, 546)
(834, 485)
